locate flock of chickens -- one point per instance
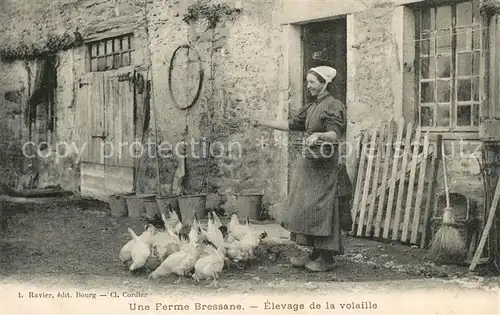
(189, 249)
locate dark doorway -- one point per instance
(325, 45)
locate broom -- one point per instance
(447, 244)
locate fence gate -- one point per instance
(392, 195)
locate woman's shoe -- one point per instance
(300, 261)
(320, 265)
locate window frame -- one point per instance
(130, 51)
(476, 27)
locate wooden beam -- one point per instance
(361, 170)
(487, 228)
(399, 200)
(489, 130)
(371, 210)
(493, 94)
(420, 192)
(429, 202)
(366, 187)
(392, 180)
(385, 174)
(411, 186)
(110, 31)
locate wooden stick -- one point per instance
(411, 186)
(494, 46)
(380, 148)
(420, 192)
(366, 186)
(361, 167)
(486, 231)
(146, 107)
(387, 156)
(445, 176)
(356, 166)
(153, 103)
(483, 70)
(392, 185)
(399, 202)
(429, 201)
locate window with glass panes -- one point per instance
(110, 53)
(448, 62)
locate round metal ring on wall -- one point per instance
(200, 83)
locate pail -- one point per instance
(118, 206)
(151, 206)
(248, 205)
(464, 209)
(188, 204)
(165, 202)
(135, 205)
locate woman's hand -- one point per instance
(274, 124)
(312, 139)
(256, 123)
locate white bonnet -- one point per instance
(327, 73)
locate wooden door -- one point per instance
(90, 122)
(105, 118)
(119, 91)
(91, 116)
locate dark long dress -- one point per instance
(318, 206)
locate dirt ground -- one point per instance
(78, 238)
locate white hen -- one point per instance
(173, 222)
(243, 249)
(213, 234)
(166, 243)
(211, 265)
(140, 252)
(125, 254)
(183, 261)
(237, 230)
(217, 222)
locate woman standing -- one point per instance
(318, 205)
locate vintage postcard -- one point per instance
(249, 156)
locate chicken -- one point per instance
(125, 254)
(219, 225)
(211, 265)
(243, 249)
(217, 222)
(173, 222)
(213, 233)
(140, 252)
(165, 244)
(157, 222)
(237, 230)
(182, 262)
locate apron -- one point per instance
(312, 208)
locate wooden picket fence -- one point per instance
(392, 199)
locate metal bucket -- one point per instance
(248, 205)
(465, 212)
(118, 206)
(188, 204)
(165, 203)
(135, 205)
(151, 206)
